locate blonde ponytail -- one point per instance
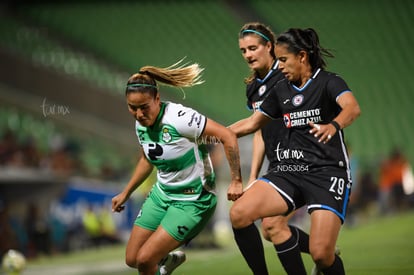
(176, 75)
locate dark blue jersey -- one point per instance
(273, 132)
(315, 101)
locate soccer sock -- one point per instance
(337, 268)
(301, 237)
(250, 244)
(289, 255)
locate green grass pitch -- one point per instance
(384, 246)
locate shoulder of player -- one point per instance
(330, 79)
(176, 112)
(275, 79)
(250, 90)
(326, 75)
(175, 109)
(254, 89)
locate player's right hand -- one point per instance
(117, 203)
(235, 190)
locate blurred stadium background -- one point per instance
(67, 140)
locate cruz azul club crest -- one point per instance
(262, 90)
(297, 100)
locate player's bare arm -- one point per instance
(257, 155)
(350, 111)
(231, 148)
(141, 172)
(249, 125)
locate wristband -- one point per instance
(336, 125)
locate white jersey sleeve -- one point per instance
(188, 122)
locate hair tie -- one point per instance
(258, 33)
(141, 85)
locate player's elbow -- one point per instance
(357, 111)
(229, 138)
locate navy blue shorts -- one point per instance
(326, 188)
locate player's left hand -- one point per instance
(323, 132)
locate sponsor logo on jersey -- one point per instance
(262, 90)
(197, 118)
(256, 105)
(182, 229)
(189, 191)
(166, 136)
(302, 118)
(286, 120)
(297, 100)
(153, 150)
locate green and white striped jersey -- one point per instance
(174, 147)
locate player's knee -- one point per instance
(238, 216)
(322, 256)
(267, 230)
(275, 230)
(131, 261)
(271, 227)
(266, 235)
(144, 262)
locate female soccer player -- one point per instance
(172, 138)
(314, 170)
(256, 42)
